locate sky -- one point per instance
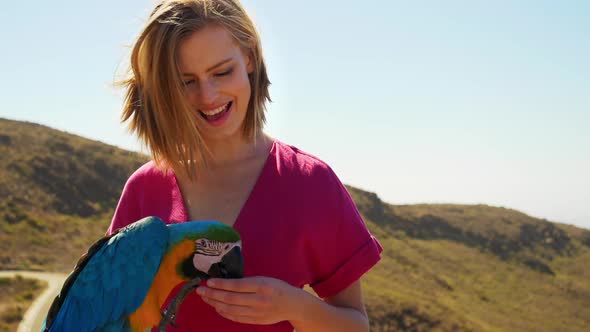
(466, 102)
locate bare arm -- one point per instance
(262, 300)
(344, 311)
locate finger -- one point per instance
(235, 298)
(232, 309)
(242, 319)
(243, 285)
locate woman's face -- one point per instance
(215, 75)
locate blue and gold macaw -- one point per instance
(123, 280)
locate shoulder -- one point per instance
(302, 165)
(147, 171)
(149, 181)
(148, 174)
(149, 191)
(308, 181)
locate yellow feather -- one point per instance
(148, 314)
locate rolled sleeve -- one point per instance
(352, 270)
(341, 248)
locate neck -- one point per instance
(229, 152)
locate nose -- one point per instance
(208, 94)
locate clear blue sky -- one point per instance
(418, 101)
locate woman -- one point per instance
(196, 97)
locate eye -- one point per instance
(188, 82)
(226, 247)
(225, 73)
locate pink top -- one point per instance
(299, 224)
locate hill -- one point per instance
(22, 292)
(475, 268)
(57, 194)
(444, 267)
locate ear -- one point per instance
(249, 62)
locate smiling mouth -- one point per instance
(217, 113)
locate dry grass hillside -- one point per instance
(21, 292)
(444, 267)
(57, 193)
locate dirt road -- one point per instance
(33, 318)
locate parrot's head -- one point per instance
(219, 259)
(216, 250)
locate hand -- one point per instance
(252, 300)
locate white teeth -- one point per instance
(215, 111)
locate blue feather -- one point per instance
(116, 279)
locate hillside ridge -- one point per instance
(445, 267)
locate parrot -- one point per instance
(123, 280)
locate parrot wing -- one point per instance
(112, 280)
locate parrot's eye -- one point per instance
(226, 247)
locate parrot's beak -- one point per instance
(230, 267)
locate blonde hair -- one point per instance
(155, 102)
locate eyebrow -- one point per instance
(221, 63)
